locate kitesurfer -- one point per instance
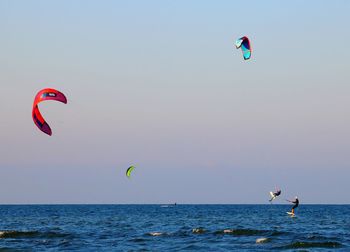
(275, 194)
(295, 202)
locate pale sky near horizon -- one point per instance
(160, 85)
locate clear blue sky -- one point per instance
(159, 85)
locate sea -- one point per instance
(174, 228)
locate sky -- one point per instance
(160, 85)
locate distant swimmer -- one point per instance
(295, 202)
(274, 195)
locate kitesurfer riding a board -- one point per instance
(275, 194)
(295, 202)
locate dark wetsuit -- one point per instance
(277, 193)
(296, 203)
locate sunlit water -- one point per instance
(174, 228)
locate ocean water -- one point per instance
(174, 228)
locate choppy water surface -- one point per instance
(174, 228)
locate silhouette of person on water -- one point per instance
(295, 202)
(275, 194)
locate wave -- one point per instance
(198, 230)
(299, 244)
(278, 233)
(6, 249)
(246, 232)
(262, 240)
(30, 234)
(18, 234)
(155, 233)
(138, 240)
(167, 205)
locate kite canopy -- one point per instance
(43, 95)
(244, 44)
(129, 170)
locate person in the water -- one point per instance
(295, 202)
(275, 194)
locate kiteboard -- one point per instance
(291, 214)
(272, 196)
